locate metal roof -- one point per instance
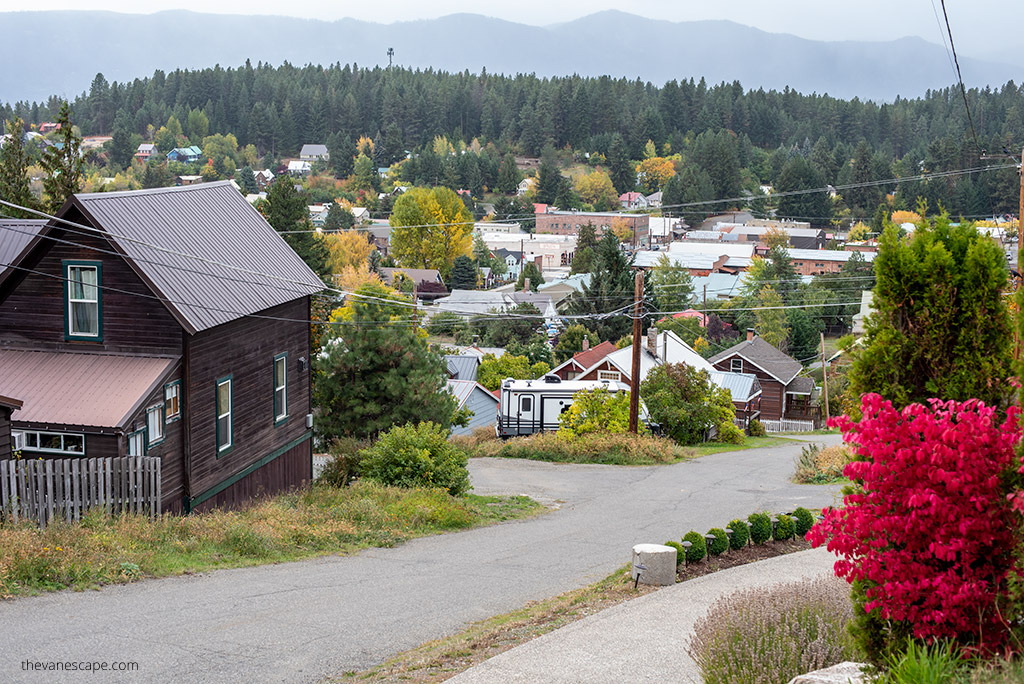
(742, 386)
(777, 364)
(462, 367)
(463, 389)
(15, 234)
(212, 222)
(88, 390)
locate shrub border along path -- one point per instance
(436, 661)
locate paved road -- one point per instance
(302, 621)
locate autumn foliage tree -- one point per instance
(431, 227)
(926, 534)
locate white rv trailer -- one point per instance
(529, 406)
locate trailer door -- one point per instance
(528, 415)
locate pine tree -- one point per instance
(509, 175)
(285, 209)
(338, 218)
(379, 374)
(247, 180)
(620, 167)
(463, 274)
(14, 181)
(548, 177)
(611, 289)
(531, 272)
(63, 163)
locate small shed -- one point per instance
(475, 397)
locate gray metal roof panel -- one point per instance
(15, 234)
(211, 222)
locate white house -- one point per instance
(312, 153)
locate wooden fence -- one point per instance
(786, 425)
(45, 490)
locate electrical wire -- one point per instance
(963, 90)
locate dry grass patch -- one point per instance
(306, 523)
(817, 465)
(601, 448)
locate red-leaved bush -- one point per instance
(928, 528)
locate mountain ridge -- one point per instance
(80, 43)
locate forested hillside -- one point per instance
(728, 138)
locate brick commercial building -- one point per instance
(570, 222)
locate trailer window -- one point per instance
(525, 404)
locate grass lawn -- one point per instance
(604, 449)
(748, 443)
(312, 522)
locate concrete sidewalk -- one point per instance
(643, 639)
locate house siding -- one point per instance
(170, 451)
(293, 468)
(245, 349)
(5, 432)
(33, 313)
(485, 412)
(771, 389)
(592, 374)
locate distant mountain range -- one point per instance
(59, 53)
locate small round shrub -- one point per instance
(417, 456)
(755, 428)
(680, 551)
(804, 520)
(740, 533)
(721, 543)
(784, 528)
(343, 467)
(760, 527)
(728, 433)
(698, 547)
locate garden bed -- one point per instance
(732, 558)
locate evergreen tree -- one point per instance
(379, 374)
(285, 209)
(620, 168)
(548, 176)
(121, 149)
(815, 207)
(611, 289)
(342, 152)
(571, 341)
(63, 164)
(338, 218)
(463, 274)
(247, 180)
(509, 175)
(156, 176)
(530, 271)
(941, 327)
(14, 181)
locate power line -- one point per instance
(963, 90)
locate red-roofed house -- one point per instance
(582, 360)
(633, 200)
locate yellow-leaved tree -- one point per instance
(348, 248)
(431, 227)
(654, 172)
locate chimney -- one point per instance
(750, 335)
(652, 341)
(526, 284)
(586, 343)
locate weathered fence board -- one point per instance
(45, 490)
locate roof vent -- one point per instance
(552, 378)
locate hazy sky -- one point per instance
(974, 22)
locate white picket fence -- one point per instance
(44, 490)
(786, 425)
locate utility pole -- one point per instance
(634, 375)
(415, 309)
(824, 377)
(705, 305)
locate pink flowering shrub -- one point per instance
(926, 535)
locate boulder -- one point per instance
(843, 673)
(654, 564)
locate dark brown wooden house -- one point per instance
(167, 322)
(784, 392)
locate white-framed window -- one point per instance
(172, 401)
(17, 440)
(225, 438)
(526, 404)
(614, 376)
(72, 444)
(82, 306)
(155, 424)
(736, 365)
(137, 443)
(280, 388)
